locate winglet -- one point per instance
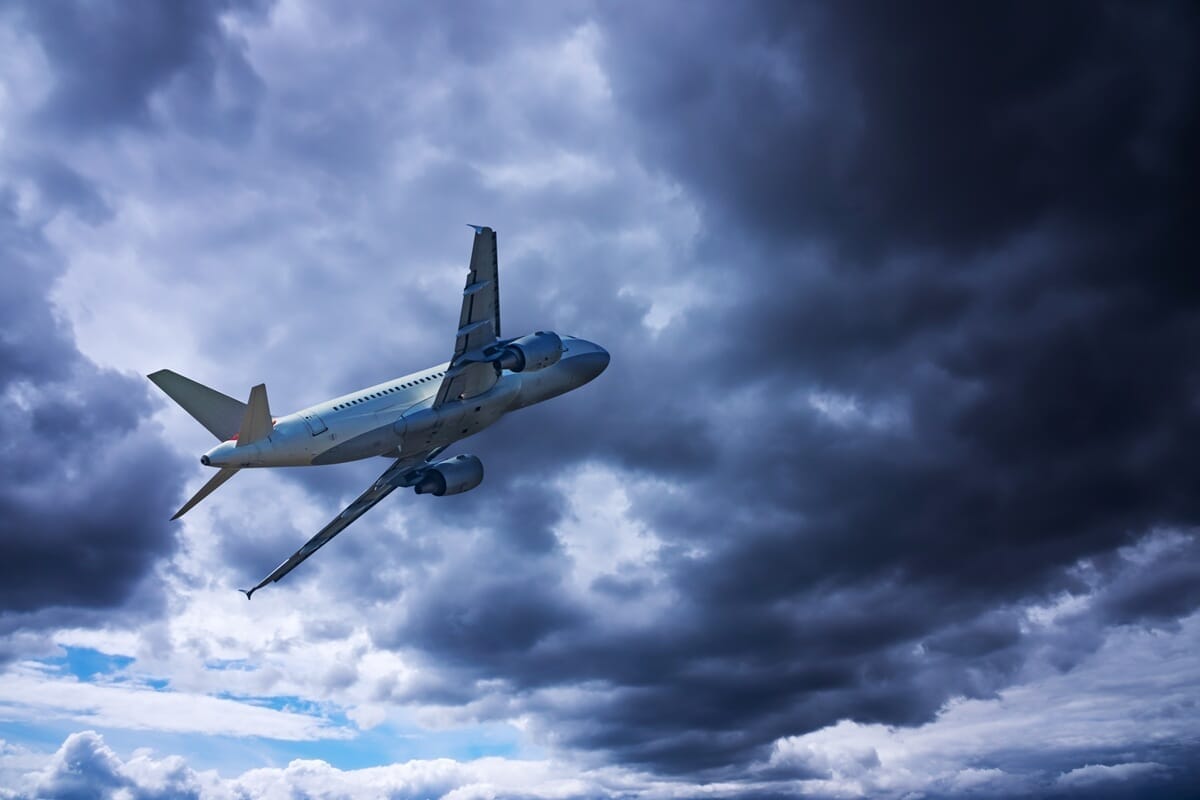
(261, 584)
(478, 228)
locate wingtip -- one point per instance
(478, 228)
(247, 592)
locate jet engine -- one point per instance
(452, 476)
(531, 353)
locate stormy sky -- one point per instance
(888, 491)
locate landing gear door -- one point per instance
(315, 424)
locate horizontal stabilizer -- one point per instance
(219, 413)
(256, 422)
(213, 484)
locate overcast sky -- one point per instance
(890, 487)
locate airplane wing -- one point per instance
(478, 324)
(402, 472)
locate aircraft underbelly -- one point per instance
(423, 428)
(374, 442)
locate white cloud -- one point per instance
(29, 695)
(1138, 690)
(1094, 774)
(599, 533)
(86, 761)
(847, 411)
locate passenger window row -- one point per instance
(388, 390)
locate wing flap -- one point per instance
(478, 323)
(466, 380)
(481, 296)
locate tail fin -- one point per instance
(219, 413)
(256, 422)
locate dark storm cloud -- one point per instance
(1160, 588)
(110, 61)
(88, 486)
(969, 222)
(63, 187)
(961, 229)
(82, 499)
(931, 124)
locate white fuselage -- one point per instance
(396, 417)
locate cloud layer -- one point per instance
(82, 490)
(902, 314)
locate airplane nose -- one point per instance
(586, 366)
(602, 360)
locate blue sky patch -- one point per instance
(86, 663)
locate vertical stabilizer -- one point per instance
(256, 422)
(219, 413)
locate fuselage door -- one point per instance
(315, 424)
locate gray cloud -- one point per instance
(934, 352)
(110, 64)
(935, 243)
(81, 492)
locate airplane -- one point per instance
(411, 419)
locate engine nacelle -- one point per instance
(531, 353)
(452, 476)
